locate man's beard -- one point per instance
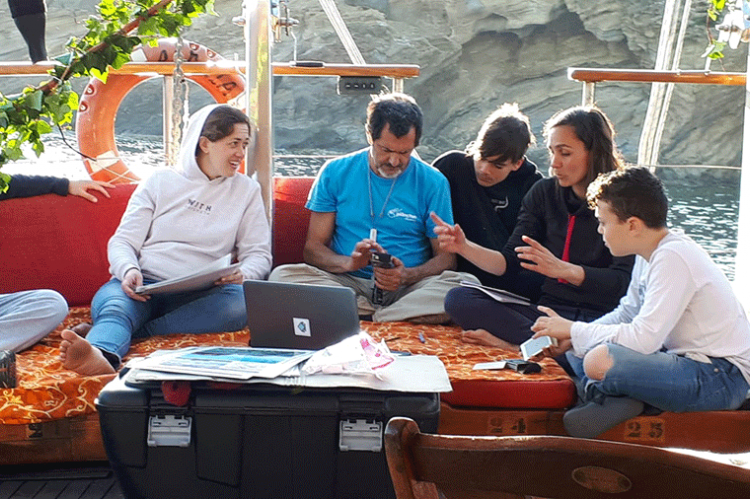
(387, 175)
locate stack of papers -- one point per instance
(229, 363)
(279, 366)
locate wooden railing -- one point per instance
(590, 76)
(396, 71)
(650, 76)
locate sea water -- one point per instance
(704, 201)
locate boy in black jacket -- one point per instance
(28, 316)
(488, 182)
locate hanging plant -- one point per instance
(112, 35)
(715, 49)
(728, 18)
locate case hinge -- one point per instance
(360, 434)
(169, 431)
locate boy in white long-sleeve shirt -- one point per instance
(679, 340)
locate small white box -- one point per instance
(498, 364)
(534, 346)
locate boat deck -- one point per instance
(78, 481)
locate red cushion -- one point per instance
(532, 394)
(290, 218)
(59, 242)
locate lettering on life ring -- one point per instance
(95, 120)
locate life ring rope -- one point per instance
(97, 110)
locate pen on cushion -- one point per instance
(422, 338)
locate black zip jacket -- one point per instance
(544, 216)
(24, 186)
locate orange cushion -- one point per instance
(550, 389)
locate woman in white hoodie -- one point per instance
(177, 222)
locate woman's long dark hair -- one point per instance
(593, 128)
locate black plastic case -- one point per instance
(254, 441)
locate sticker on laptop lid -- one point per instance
(301, 326)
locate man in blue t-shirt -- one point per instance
(378, 201)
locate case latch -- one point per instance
(360, 434)
(169, 431)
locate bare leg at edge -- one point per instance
(80, 356)
(485, 338)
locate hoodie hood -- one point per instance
(188, 164)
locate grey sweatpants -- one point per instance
(28, 316)
(420, 302)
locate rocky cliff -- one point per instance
(474, 55)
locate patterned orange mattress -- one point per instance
(47, 392)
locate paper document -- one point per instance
(498, 364)
(498, 294)
(197, 281)
(239, 363)
(409, 374)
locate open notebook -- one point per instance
(498, 294)
(197, 281)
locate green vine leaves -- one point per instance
(119, 27)
(715, 49)
(728, 17)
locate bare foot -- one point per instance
(485, 338)
(78, 355)
(82, 329)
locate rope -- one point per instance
(666, 38)
(342, 31)
(661, 93)
(667, 99)
(179, 104)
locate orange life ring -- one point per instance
(95, 121)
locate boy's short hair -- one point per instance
(631, 192)
(505, 133)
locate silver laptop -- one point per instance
(301, 316)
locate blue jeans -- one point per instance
(666, 381)
(117, 318)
